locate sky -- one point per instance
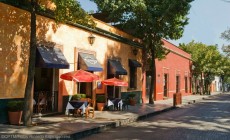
(207, 20)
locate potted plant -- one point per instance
(83, 95)
(132, 101)
(15, 108)
(100, 102)
(76, 97)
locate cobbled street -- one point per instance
(207, 120)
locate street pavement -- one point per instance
(207, 120)
(68, 127)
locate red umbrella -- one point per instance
(114, 82)
(79, 76)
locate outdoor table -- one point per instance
(115, 103)
(77, 105)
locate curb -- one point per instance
(118, 123)
(91, 131)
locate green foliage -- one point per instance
(225, 66)
(78, 96)
(149, 20)
(71, 11)
(207, 60)
(15, 105)
(226, 35)
(131, 95)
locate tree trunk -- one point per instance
(144, 62)
(205, 84)
(201, 84)
(28, 106)
(153, 78)
(196, 86)
(222, 83)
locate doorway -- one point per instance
(113, 90)
(46, 90)
(85, 88)
(148, 86)
(165, 86)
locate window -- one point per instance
(186, 84)
(133, 65)
(177, 84)
(133, 77)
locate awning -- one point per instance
(134, 63)
(116, 68)
(50, 57)
(89, 62)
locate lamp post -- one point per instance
(135, 51)
(91, 39)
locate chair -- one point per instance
(125, 105)
(79, 111)
(90, 109)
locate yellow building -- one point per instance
(63, 48)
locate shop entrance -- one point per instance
(85, 88)
(113, 90)
(46, 90)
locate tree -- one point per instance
(226, 0)
(28, 98)
(66, 10)
(226, 35)
(225, 75)
(149, 20)
(207, 61)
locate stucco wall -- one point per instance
(73, 40)
(173, 65)
(14, 50)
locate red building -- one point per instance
(173, 74)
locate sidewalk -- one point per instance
(64, 127)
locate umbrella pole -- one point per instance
(79, 88)
(113, 91)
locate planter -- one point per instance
(15, 108)
(132, 102)
(100, 106)
(15, 117)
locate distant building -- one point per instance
(216, 85)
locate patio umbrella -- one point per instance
(79, 76)
(115, 82)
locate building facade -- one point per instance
(62, 48)
(216, 85)
(173, 74)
